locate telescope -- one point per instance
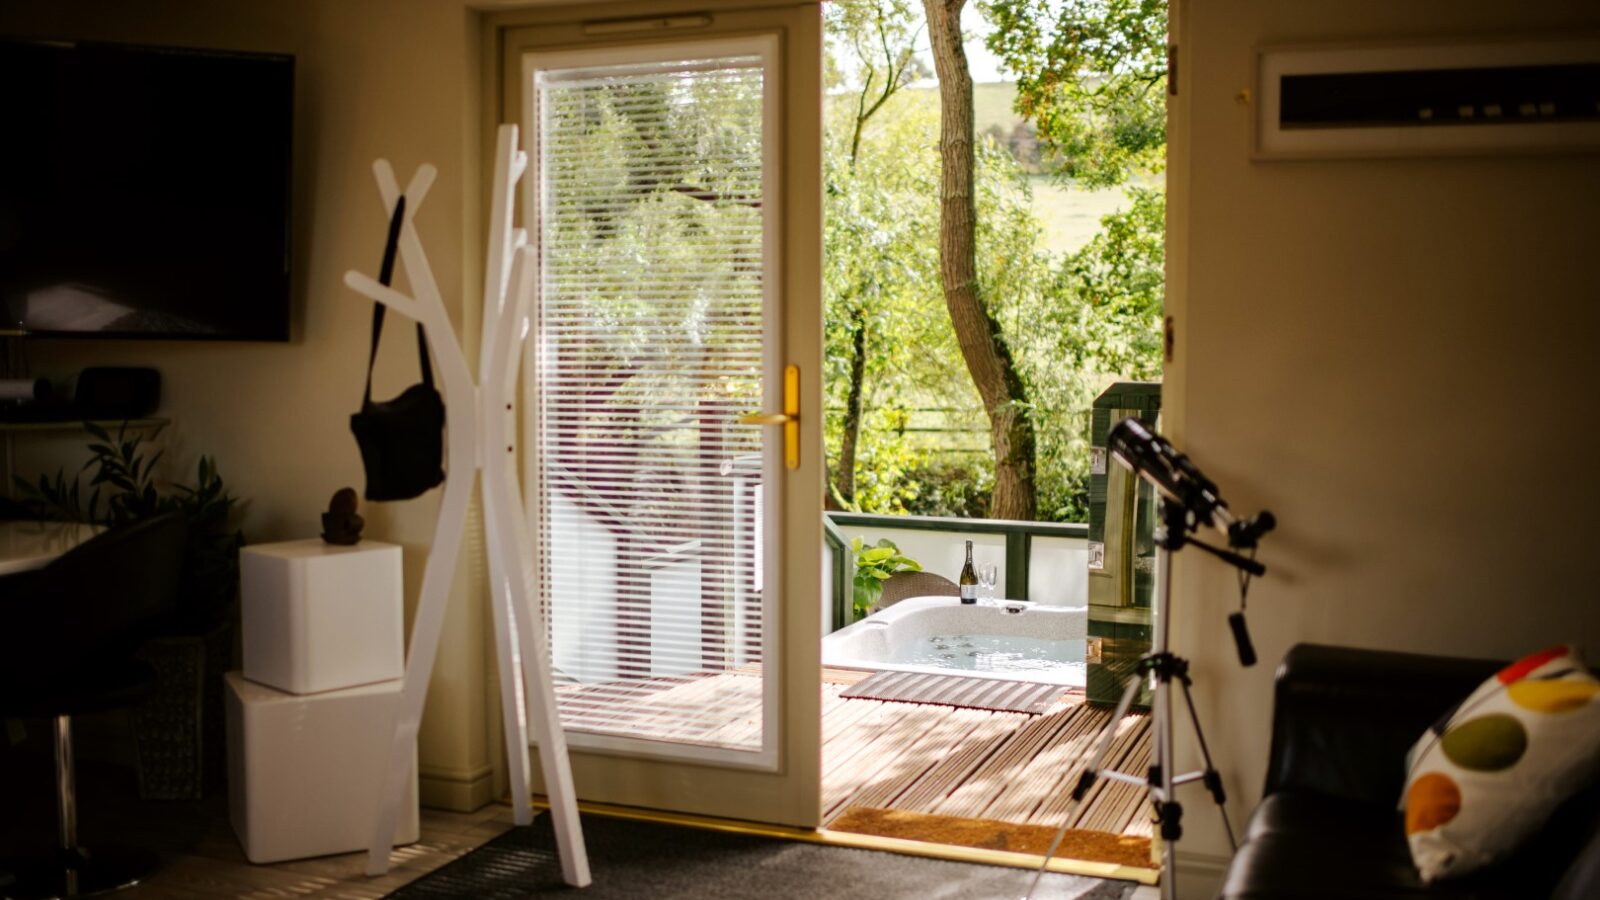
(1180, 481)
(1189, 500)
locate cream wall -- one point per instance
(1394, 356)
(395, 78)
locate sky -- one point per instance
(985, 67)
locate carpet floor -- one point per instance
(650, 861)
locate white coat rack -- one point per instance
(478, 423)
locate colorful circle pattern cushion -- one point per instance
(1485, 778)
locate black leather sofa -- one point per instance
(1329, 826)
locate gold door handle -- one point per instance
(789, 418)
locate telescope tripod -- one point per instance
(1163, 667)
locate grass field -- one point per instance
(991, 105)
(1071, 216)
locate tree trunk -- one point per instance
(988, 357)
(846, 482)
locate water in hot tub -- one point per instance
(991, 653)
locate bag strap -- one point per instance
(385, 276)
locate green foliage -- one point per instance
(881, 278)
(56, 499)
(1105, 326)
(123, 490)
(882, 274)
(877, 41)
(1091, 75)
(1117, 285)
(1090, 85)
(212, 563)
(120, 463)
(953, 488)
(874, 565)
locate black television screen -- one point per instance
(144, 191)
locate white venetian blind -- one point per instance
(649, 336)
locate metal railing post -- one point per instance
(1019, 548)
(843, 574)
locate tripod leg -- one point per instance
(1086, 779)
(1213, 781)
(1108, 736)
(1169, 812)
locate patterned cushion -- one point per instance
(1485, 777)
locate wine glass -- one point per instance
(988, 577)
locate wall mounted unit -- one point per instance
(1490, 96)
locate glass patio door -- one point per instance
(673, 397)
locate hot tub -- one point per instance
(1004, 639)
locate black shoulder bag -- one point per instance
(401, 440)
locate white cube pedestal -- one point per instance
(304, 772)
(320, 617)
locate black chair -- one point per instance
(1327, 827)
(68, 633)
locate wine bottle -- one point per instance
(969, 579)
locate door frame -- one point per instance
(785, 788)
(768, 47)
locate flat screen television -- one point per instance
(144, 191)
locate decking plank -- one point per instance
(934, 745)
(1003, 767)
(887, 754)
(1046, 772)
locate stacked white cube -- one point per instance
(311, 715)
(320, 617)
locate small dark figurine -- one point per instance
(341, 524)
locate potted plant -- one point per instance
(874, 565)
(179, 729)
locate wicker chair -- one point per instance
(901, 585)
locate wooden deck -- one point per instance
(942, 760)
(977, 764)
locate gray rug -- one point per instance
(957, 690)
(648, 861)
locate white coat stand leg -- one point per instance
(512, 701)
(508, 167)
(478, 424)
(511, 524)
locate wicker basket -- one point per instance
(179, 729)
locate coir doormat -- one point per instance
(635, 860)
(993, 834)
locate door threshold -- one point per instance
(826, 837)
